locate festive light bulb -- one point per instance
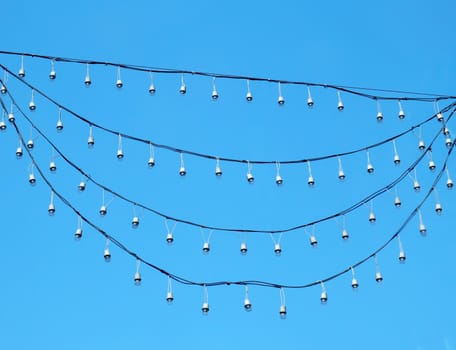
(421, 145)
(397, 160)
(340, 104)
(218, 169)
(323, 295)
(243, 248)
(103, 210)
(119, 83)
(379, 112)
(401, 114)
(449, 183)
(11, 117)
(214, 94)
(278, 179)
(283, 312)
(277, 249)
(313, 241)
(183, 87)
(397, 202)
(2, 125)
(51, 209)
(205, 309)
(169, 238)
(59, 125)
(52, 74)
(30, 144)
(248, 96)
(19, 153)
(52, 166)
(22, 69)
(345, 234)
(431, 165)
(448, 142)
(249, 175)
(32, 179)
(135, 222)
(152, 89)
(311, 181)
(341, 173)
(90, 139)
(378, 277)
(151, 162)
(354, 283)
(416, 186)
(169, 297)
(107, 255)
(372, 218)
(438, 208)
(81, 186)
(120, 154)
(440, 117)
(206, 248)
(247, 303)
(32, 105)
(182, 171)
(78, 234)
(280, 98)
(3, 88)
(310, 102)
(137, 279)
(87, 80)
(402, 257)
(423, 229)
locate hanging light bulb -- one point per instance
(169, 238)
(32, 105)
(397, 159)
(11, 117)
(2, 122)
(52, 74)
(354, 282)
(51, 207)
(277, 249)
(313, 240)
(345, 234)
(247, 303)
(440, 117)
(30, 144)
(280, 99)
(82, 186)
(119, 83)
(372, 217)
(183, 87)
(103, 209)
(397, 201)
(340, 104)
(205, 307)
(3, 89)
(137, 279)
(151, 161)
(402, 257)
(87, 80)
(310, 179)
(438, 208)
(401, 114)
(278, 179)
(341, 170)
(422, 227)
(283, 307)
(182, 171)
(135, 222)
(152, 89)
(107, 254)
(32, 178)
(22, 69)
(378, 274)
(416, 184)
(248, 96)
(250, 177)
(52, 166)
(431, 162)
(206, 248)
(90, 139)
(120, 154)
(310, 101)
(370, 167)
(78, 233)
(324, 294)
(243, 248)
(446, 131)
(214, 95)
(59, 125)
(19, 152)
(169, 293)
(448, 142)
(449, 182)
(379, 112)
(218, 169)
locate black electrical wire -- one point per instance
(182, 280)
(214, 228)
(224, 159)
(347, 89)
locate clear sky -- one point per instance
(60, 294)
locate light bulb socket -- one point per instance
(169, 238)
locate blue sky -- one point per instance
(60, 294)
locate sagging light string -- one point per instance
(181, 151)
(348, 89)
(362, 202)
(260, 283)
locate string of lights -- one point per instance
(439, 114)
(186, 281)
(425, 97)
(368, 199)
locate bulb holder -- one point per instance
(378, 277)
(438, 208)
(402, 257)
(78, 234)
(87, 81)
(250, 178)
(2, 125)
(11, 117)
(152, 89)
(107, 255)
(243, 249)
(135, 222)
(311, 181)
(32, 106)
(340, 106)
(206, 248)
(151, 162)
(19, 154)
(423, 229)
(205, 308)
(30, 144)
(370, 169)
(354, 283)
(279, 180)
(120, 154)
(169, 298)
(449, 184)
(323, 298)
(51, 209)
(21, 73)
(372, 218)
(313, 241)
(32, 179)
(81, 186)
(431, 165)
(182, 171)
(52, 75)
(183, 89)
(440, 117)
(247, 305)
(277, 249)
(283, 312)
(421, 145)
(137, 279)
(52, 167)
(379, 117)
(341, 175)
(119, 84)
(446, 131)
(397, 202)
(448, 142)
(90, 141)
(345, 234)
(103, 210)
(249, 97)
(218, 171)
(416, 186)
(281, 100)
(310, 102)
(401, 115)
(397, 160)
(169, 238)
(59, 126)
(214, 95)
(3, 89)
